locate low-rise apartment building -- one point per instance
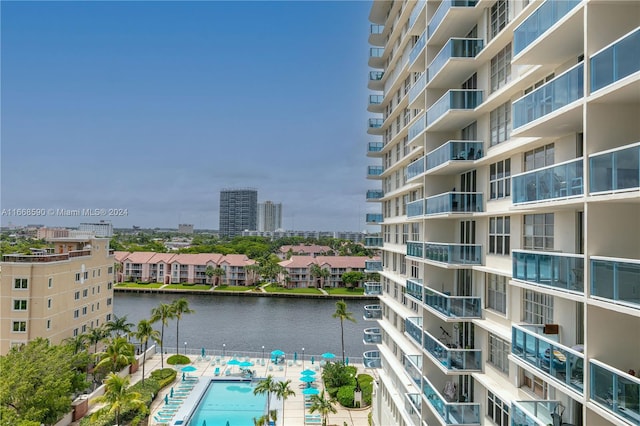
(298, 270)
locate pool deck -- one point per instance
(294, 410)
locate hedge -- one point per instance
(178, 359)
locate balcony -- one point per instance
(413, 327)
(456, 101)
(560, 271)
(453, 254)
(451, 413)
(445, 7)
(616, 61)
(374, 218)
(415, 208)
(455, 154)
(553, 182)
(371, 359)
(372, 312)
(566, 88)
(372, 289)
(454, 202)
(416, 168)
(615, 391)
(616, 280)
(416, 90)
(419, 7)
(415, 289)
(450, 358)
(374, 194)
(533, 413)
(375, 80)
(372, 336)
(372, 266)
(415, 249)
(376, 29)
(413, 367)
(418, 51)
(375, 123)
(531, 346)
(374, 149)
(543, 18)
(453, 306)
(373, 242)
(615, 170)
(413, 407)
(375, 57)
(374, 101)
(458, 50)
(373, 171)
(417, 128)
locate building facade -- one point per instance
(299, 273)
(185, 228)
(269, 216)
(507, 135)
(99, 229)
(238, 211)
(56, 294)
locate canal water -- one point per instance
(244, 323)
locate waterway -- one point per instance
(248, 323)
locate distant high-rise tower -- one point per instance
(269, 216)
(238, 211)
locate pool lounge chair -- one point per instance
(160, 422)
(216, 372)
(312, 419)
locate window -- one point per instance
(108, 317)
(497, 293)
(76, 313)
(75, 332)
(76, 296)
(538, 308)
(535, 384)
(50, 282)
(539, 83)
(77, 276)
(84, 328)
(499, 17)
(497, 410)
(499, 231)
(109, 285)
(498, 352)
(20, 284)
(538, 231)
(500, 179)
(86, 275)
(85, 292)
(49, 303)
(20, 305)
(109, 301)
(539, 157)
(500, 123)
(501, 68)
(110, 270)
(84, 310)
(19, 327)
(48, 324)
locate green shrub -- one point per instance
(345, 396)
(336, 375)
(366, 384)
(164, 376)
(178, 359)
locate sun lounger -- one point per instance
(216, 372)
(160, 422)
(281, 368)
(271, 368)
(312, 419)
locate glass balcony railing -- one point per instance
(415, 289)
(413, 367)
(617, 280)
(562, 180)
(616, 61)
(375, 123)
(376, 52)
(455, 48)
(562, 271)
(416, 168)
(454, 202)
(375, 194)
(532, 413)
(415, 208)
(615, 170)
(372, 289)
(375, 99)
(376, 29)
(413, 407)
(454, 151)
(372, 312)
(376, 75)
(456, 99)
(444, 7)
(539, 22)
(548, 356)
(375, 147)
(418, 47)
(417, 127)
(454, 254)
(453, 359)
(417, 87)
(453, 306)
(373, 242)
(373, 265)
(374, 170)
(372, 336)
(416, 12)
(615, 390)
(413, 327)
(558, 93)
(452, 413)
(415, 249)
(371, 359)
(374, 218)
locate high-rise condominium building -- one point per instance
(238, 211)
(508, 133)
(56, 293)
(99, 229)
(269, 216)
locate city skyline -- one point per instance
(155, 107)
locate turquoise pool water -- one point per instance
(232, 402)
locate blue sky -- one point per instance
(156, 106)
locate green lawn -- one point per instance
(343, 290)
(233, 288)
(275, 289)
(189, 287)
(135, 285)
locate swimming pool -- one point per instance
(228, 401)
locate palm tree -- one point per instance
(266, 385)
(119, 325)
(218, 272)
(315, 272)
(179, 307)
(79, 343)
(253, 271)
(323, 405)
(96, 335)
(283, 391)
(144, 333)
(118, 268)
(342, 313)
(324, 274)
(162, 313)
(118, 396)
(116, 355)
(209, 273)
